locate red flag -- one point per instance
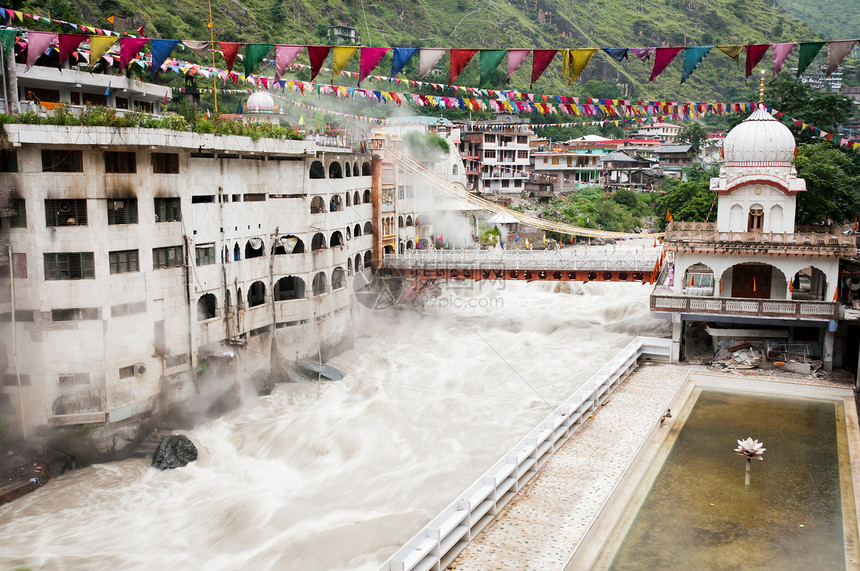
(230, 50)
(369, 59)
(128, 49)
(540, 61)
(459, 59)
(140, 30)
(754, 54)
(317, 55)
(68, 44)
(662, 58)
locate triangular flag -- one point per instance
(540, 61)
(618, 54)
(111, 19)
(161, 50)
(401, 57)
(643, 54)
(427, 60)
(140, 30)
(229, 50)
(199, 48)
(67, 44)
(284, 57)
(254, 54)
(693, 57)
(128, 49)
(7, 39)
(780, 54)
(733, 52)
(490, 60)
(340, 57)
(317, 55)
(579, 58)
(807, 53)
(99, 45)
(368, 60)
(515, 60)
(662, 58)
(836, 52)
(459, 60)
(754, 54)
(37, 43)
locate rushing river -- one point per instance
(340, 475)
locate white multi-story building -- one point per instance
(497, 155)
(665, 132)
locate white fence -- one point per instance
(435, 546)
(495, 259)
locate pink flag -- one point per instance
(540, 61)
(284, 56)
(368, 60)
(37, 44)
(662, 58)
(643, 53)
(317, 55)
(780, 54)
(515, 60)
(754, 54)
(836, 52)
(128, 49)
(68, 44)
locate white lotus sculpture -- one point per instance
(750, 449)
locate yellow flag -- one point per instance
(580, 60)
(732, 51)
(111, 18)
(565, 64)
(340, 58)
(99, 45)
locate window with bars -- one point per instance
(205, 255)
(61, 161)
(165, 163)
(490, 154)
(122, 210)
(522, 154)
(120, 162)
(124, 261)
(75, 314)
(69, 266)
(169, 257)
(71, 212)
(168, 209)
(19, 219)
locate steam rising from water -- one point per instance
(338, 476)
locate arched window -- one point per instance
(206, 307)
(318, 242)
(317, 170)
(355, 171)
(335, 205)
(225, 254)
(348, 199)
(366, 198)
(338, 279)
(400, 222)
(356, 231)
(237, 252)
(367, 259)
(755, 219)
(368, 228)
(319, 284)
(348, 234)
(253, 248)
(336, 239)
(347, 169)
(349, 265)
(317, 205)
(288, 288)
(356, 198)
(409, 244)
(402, 247)
(365, 169)
(409, 220)
(227, 300)
(256, 294)
(357, 262)
(454, 169)
(334, 170)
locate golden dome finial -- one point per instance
(761, 89)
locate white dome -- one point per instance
(760, 138)
(260, 101)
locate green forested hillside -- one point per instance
(483, 23)
(833, 19)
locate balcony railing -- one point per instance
(792, 309)
(700, 233)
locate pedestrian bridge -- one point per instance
(567, 264)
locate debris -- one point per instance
(174, 452)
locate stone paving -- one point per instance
(549, 517)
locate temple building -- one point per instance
(754, 277)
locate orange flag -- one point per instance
(754, 288)
(668, 215)
(110, 19)
(721, 285)
(790, 285)
(691, 280)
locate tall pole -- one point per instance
(212, 38)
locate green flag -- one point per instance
(254, 54)
(490, 60)
(808, 51)
(7, 39)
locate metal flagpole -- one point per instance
(212, 38)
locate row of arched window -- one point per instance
(335, 170)
(336, 204)
(286, 288)
(291, 244)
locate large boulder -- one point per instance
(174, 452)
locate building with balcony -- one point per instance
(497, 155)
(342, 33)
(753, 276)
(570, 171)
(664, 132)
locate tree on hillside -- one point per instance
(689, 201)
(817, 108)
(694, 134)
(832, 179)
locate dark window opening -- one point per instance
(124, 261)
(165, 163)
(169, 257)
(203, 199)
(205, 255)
(122, 210)
(317, 170)
(61, 161)
(288, 288)
(206, 307)
(69, 266)
(256, 294)
(66, 212)
(168, 210)
(120, 162)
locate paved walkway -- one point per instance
(549, 517)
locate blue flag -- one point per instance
(616, 53)
(692, 58)
(161, 50)
(107, 91)
(517, 238)
(239, 111)
(401, 58)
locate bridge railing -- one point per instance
(435, 546)
(495, 259)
